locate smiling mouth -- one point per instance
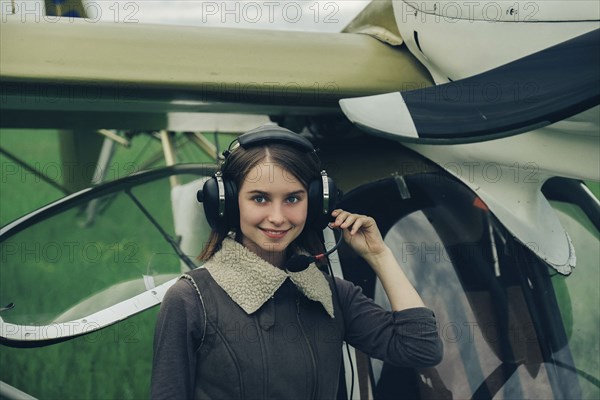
(274, 234)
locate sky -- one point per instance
(299, 15)
(303, 15)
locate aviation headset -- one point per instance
(219, 194)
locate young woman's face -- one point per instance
(273, 208)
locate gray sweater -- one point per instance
(212, 343)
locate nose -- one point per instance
(276, 216)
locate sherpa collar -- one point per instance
(251, 281)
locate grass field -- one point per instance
(47, 269)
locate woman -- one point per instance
(244, 326)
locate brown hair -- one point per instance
(304, 167)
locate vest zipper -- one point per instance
(310, 350)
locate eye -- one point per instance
(293, 199)
(259, 199)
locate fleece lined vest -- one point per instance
(290, 348)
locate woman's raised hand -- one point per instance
(360, 232)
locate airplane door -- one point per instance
(497, 310)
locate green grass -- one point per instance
(21, 191)
(45, 271)
(594, 188)
(114, 363)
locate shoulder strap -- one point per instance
(193, 282)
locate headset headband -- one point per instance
(274, 134)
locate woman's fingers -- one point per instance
(340, 217)
(368, 241)
(345, 220)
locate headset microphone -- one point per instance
(300, 262)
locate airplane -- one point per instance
(469, 131)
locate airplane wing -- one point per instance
(556, 83)
(78, 74)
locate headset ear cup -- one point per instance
(210, 201)
(316, 217)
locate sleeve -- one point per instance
(407, 338)
(178, 335)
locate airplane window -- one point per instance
(83, 259)
(498, 306)
(94, 253)
(488, 335)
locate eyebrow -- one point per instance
(297, 192)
